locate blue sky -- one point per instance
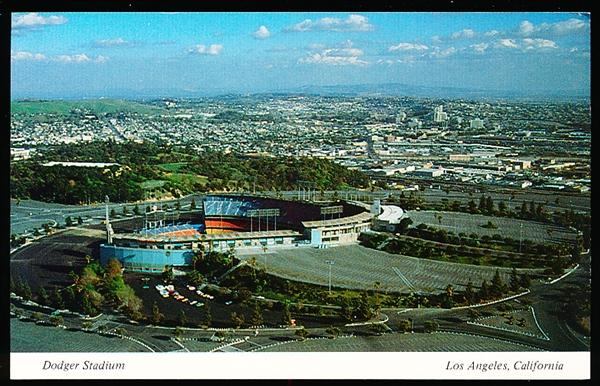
(96, 53)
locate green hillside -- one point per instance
(94, 106)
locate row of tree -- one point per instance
(92, 288)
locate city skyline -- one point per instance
(77, 54)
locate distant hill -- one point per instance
(399, 89)
(93, 106)
(360, 90)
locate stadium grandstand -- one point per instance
(231, 223)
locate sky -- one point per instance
(101, 54)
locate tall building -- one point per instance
(477, 123)
(439, 115)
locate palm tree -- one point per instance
(57, 320)
(473, 314)
(403, 326)
(302, 333)
(36, 316)
(333, 331)
(430, 326)
(120, 331)
(178, 332)
(195, 258)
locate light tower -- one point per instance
(109, 230)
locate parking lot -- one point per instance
(358, 267)
(457, 222)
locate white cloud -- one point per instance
(408, 47)
(438, 53)
(76, 58)
(116, 42)
(479, 47)
(336, 57)
(262, 32)
(538, 43)
(526, 28)
(353, 23)
(213, 49)
(510, 43)
(568, 27)
(22, 55)
(526, 44)
(466, 33)
(571, 26)
(33, 20)
(316, 46)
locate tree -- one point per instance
(102, 328)
(525, 281)
(237, 319)
(57, 320)
(363, 306)
(404, 224)
(207, 315)
(120, 331)
(156, 316)
(178, 332)
(113, 268)
(430, 326)
(345, 309)
(501, 207)
(26, 291)
(469, 293)
(286, 316)
(482, 204)
(42, 297)
(182, 318)
(168, 275)
(448, 301)
(257, 318)
(333, 331)
(404, 326)
(86, 307)
(489, 205)
(194, 277)
(220, 335)
(56, 299)
(68, 295)
(497, 286)
(473, 314)
(515, 282)
(484, 291)
(302, 333)
(36, 316)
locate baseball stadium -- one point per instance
(228, 223)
